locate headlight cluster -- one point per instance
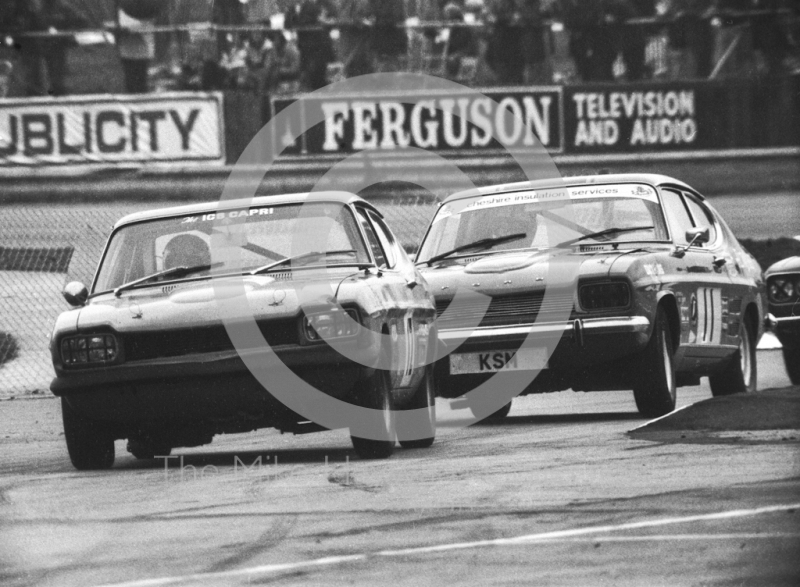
(92, 349)
(334, 324)
(605, 296)
(784, 288)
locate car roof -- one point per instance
(562, 182)
(219, 205)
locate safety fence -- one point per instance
(45, 246)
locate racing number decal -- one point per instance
(709, 315)
(410, 350)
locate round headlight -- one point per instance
(781, 289)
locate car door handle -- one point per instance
(719, 262)
(411, 283)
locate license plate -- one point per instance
(490, 362)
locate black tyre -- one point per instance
(497, 416)
(375, 392)
(739, 375)
(791, 358)
(655, 387)
(144, 450)
(90, 444)
(417, 429)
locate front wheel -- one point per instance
(375, 392)
(90, 444)
(655, 388)
(791, 358)
(739, 374)
(416, 424)
(497, 416)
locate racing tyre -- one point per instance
(655, 389)
(419, 426)
(375, 392)
(791, 358)
(143, 450)
(497, 416)
(739, 374)
(90, 444)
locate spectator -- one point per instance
(233, 61)
(389, 38)
(46, 57)
(504, 52)
(136, 50)
(532, 43)
(355, 36)
(769, 38)
(6, 67)
(582, 18)
(283, 67)
(257, 50)
(461, 42)
(313, 40)
(632, 39)
(691, 37)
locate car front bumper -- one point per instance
(200, 386)
(582, 353)
(786, 328)
(581, 330)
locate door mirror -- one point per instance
(75, 293)
(698, 235)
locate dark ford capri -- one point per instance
(145, 355)
(783, 289)
(660, 294)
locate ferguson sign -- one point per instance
(165, 128)
(504, 119)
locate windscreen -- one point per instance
(267, 234)
(546, 218)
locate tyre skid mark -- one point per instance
(542, 537)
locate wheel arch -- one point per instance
(751, 316)
(670, 305)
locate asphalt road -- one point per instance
(556, 495)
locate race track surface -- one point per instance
(558, 494)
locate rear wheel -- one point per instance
(145, 450)
(791, 358)
(417, 428)
(655, 388)
(375, 393)
(739, 374)
(90, 444)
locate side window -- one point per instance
(374, 243)
(702, 217)
(386, 238)
(677, 215)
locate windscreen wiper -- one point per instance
(601, 234)
(484, 242)
(171, 272)
(308, 255)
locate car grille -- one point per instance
(208, 339)
(513, 309)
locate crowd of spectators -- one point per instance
(284, 46)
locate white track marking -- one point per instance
(662, 417)
(543, 537)
(681, 537)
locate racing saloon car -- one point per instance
(783, 290)
(661, 293)
(145, 356)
